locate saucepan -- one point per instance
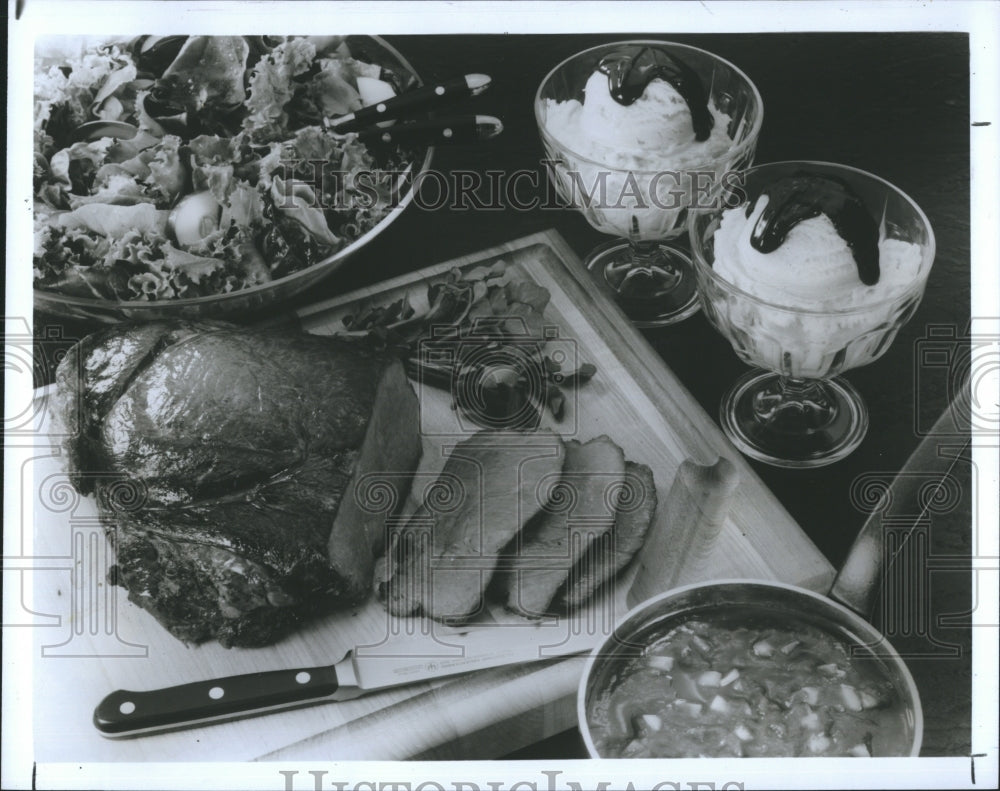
(832, 685)
(745, 667)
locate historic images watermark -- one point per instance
(962, 363)
(329, 187)
(322, 780)
(913, 509)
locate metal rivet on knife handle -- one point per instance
(682, 539)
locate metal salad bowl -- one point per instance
(226, 303)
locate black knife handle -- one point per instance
(127, 713)
(425, 98)
(436, 131)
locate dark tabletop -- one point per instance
(893, 104)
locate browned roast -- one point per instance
(93, 376)
(491, 486)
(237, 451)
(581, 510)
(608, 556)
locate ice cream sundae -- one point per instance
(645, 112)
(809, 248)
(636, 133)
(644, 118)
(808, 269)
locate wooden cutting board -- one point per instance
(89, 639)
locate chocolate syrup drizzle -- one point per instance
(631, 69)
(805, 195)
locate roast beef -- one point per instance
(554, 541)
(492, 484)
(610, 554)
(225, 463)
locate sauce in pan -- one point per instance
(760, 687)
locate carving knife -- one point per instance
(126, 713)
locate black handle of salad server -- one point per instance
(436, 131)
(420, 99)
(126, 713)
(858, 582)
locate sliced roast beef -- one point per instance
(242, 449)
(608, 556)
(582, 510)
(492, 485)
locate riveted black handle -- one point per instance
(436, 131)
(129, 713)
(420, 99)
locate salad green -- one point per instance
(240, 119)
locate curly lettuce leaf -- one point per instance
(67, 94)
(299, 202)
(154, 175)
(244, 209)
(73, 168)
(272, 87)
(213, 165)
(167, 176)
(61, 255)
(328, 94)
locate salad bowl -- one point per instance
(231, 195)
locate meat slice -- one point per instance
(610, 555)
(225, 461)
(491, 486)
(581, 511)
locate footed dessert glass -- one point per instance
(641, 195)
(796, 412)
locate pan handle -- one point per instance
(859, 581)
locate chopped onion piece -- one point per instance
(710, 678)
(850, 697)
(660, 662)
(729, 678)
(763, 648)
(789, 647)
(860, 751)
(868, 700)
(652, 721)
(743, 733)
(719, 704)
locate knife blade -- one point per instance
(127, 713)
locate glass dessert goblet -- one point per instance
(635, 133)
(808, 269)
